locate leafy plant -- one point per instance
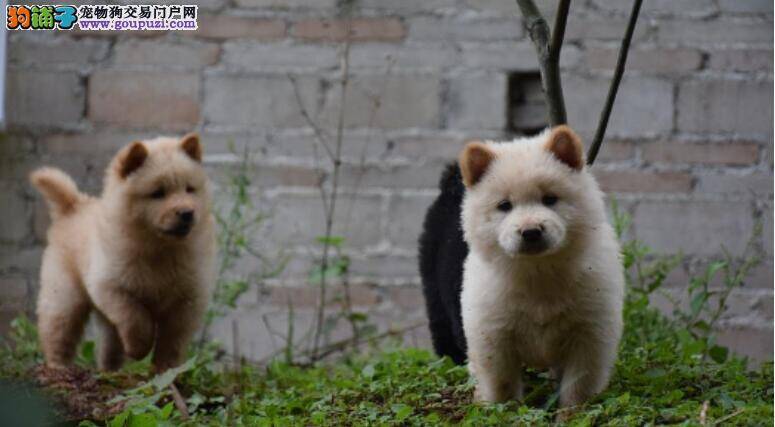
(236, 222)
(646, 273)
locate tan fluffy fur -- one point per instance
(560, 308)
(129, 256)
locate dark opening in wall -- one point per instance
(526, 108)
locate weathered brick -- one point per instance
(360, 295)
(386, 269)
(752, 342)
(477, 101)
(17, 168)
(296, 143)
(164, 100)
(499, 6)
(299, 220)
(644, 107)
(150, 52)
(644, 182)
(288, 4)
(28, 50)
(386, 57)
(16, 213)
(202, 4)
(402, 101)
(615, 151)
(661, 7)
(357, 29)
(672, 60)
(279, 57)
(742, 106)
(265, 176)
(506, 8)
(257, 101)
(407, 296)
(767, 230)
(464, 30)
(738, 59)
(44, 98)
(438, 148)
(13, 293)
(733, 153)
(234, 27)
(602, 28)
(20, 259)
(738, 184)
(406, 217)
(268, 175)
(748, 6)
(511, 56)
(693, 227)
(15, 146)
(423, 176)
(713, 32)
(408, 7)
(762, 276)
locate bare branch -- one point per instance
(549, 65)
(609, 102)
(320, 135)
(180, 403)
(558, 33)
(337, 160)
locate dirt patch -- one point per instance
(81, 394)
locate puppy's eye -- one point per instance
(159, 193)
(190, 189)
(504, 206)
(549, 200)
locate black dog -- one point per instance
(442, 253)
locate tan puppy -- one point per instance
(543, 284)
(141, 256)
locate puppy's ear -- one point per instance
(133, 158)
(566, 146)
(190, 144)
(474, 161)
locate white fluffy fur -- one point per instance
(559, 309)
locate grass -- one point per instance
(669, 372)
(658, 380)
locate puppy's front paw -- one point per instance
(137, 340)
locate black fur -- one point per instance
(442, 252)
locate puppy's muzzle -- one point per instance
(184, 224)
(533, 240)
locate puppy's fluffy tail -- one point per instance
(58, 188)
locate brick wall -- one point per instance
(689, 152)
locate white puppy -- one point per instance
(543, 283)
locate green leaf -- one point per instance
(142, 420)
(402, 411)
(87, 352)
(698, 301)
(368, 371)
(166, 411)
(163, 380)
(120, 419)
(718, 353)
(335, 241)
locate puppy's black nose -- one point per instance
(186, 215)
(531, 234)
